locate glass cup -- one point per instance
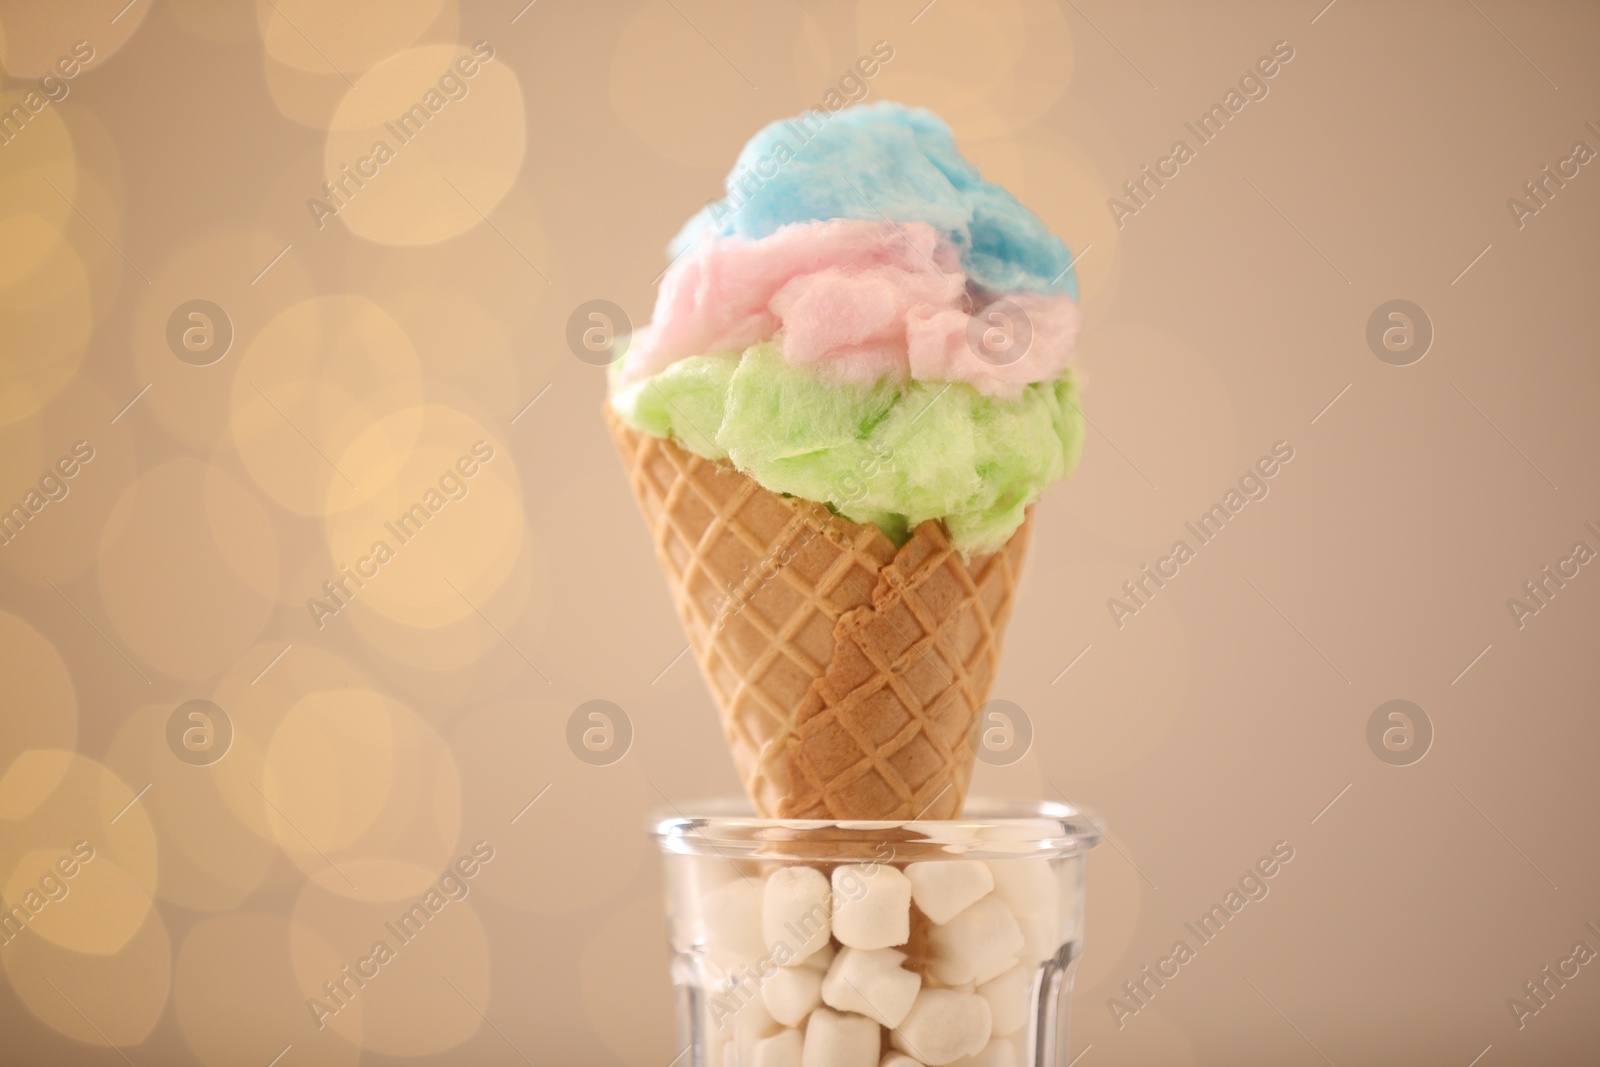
(802, 943)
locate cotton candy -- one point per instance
(885, 454)
(718, 298)
(884, 161)
(858, 302)
(864, 321)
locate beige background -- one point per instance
(368, 755)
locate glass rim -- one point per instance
(987, 829)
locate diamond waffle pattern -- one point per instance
(885, 733)
(848, 674)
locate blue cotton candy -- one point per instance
(885, 161)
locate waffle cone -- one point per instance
(849, 674)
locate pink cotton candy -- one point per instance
(852, 326)
(855, 300)
(1044, 328)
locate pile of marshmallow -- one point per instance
(802, 968)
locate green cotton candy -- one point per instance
(684, 403)
(893, 455)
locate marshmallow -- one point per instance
(1009, 998)
(837, 1040)
(749, 1024)
(795, 911)
(821, 959)
(943, 1026)
(1069, 876)
(872, 906)
(1025, 884)
(690, 880)
(997, 1053)
(899, 1059)
(791, 993)
(1029, 888)
(979, 944)
(780, 1050)
(942, 888)
(732, 915)
(871, 982)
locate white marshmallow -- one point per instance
(1025, 884)
(1029, 888)
(795, 911)
(732, 916)
(821, 959)
(836, 1040)
(780, 1050)
(872, 906)
(979, 944)
(943, 1026)
(689, 881)
(898, 1059)
(791, 993)
(872, 983)
(1000, 1052)
(749, 1024)
(942, 888)
(1008, 997)
(1069, 876)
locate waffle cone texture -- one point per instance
(849, 673)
